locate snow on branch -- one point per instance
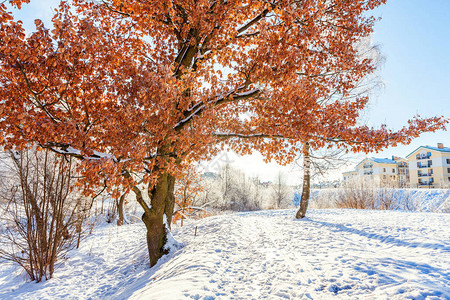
(247, 136)
(66, 149)
(216, 101)
(255, 20)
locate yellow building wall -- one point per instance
(440, 173)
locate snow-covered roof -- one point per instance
(444, 149)
(383, 160)
(349, 172)
(378, 161)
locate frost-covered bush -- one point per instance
(367, 195)
(231, 190)
(41, 217)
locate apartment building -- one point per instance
(349, 175)
(429, 167)
(383, 171)
(403, 171)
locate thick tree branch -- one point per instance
(198, 108)
(255, 20)
(108, 6)
(247, 136)
(36, 94)
(66, 149)
(138, 193)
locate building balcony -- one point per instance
(424, 166)
(424, 175)
(367, 166)
(368, 173)
(423, 157)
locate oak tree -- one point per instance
(138, 89)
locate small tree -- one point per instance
(316, 164)
(306, 187)
(41, 215)
(186, 192)
(280, 190)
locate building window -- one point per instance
(430, 171)
(418, 164)
(429, 154)
(418, 156)
(384, 170)
(448, 161)
(448, 170)
(449, 179)
(393, 170)
(430, 162)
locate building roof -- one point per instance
(445, 149)
(349, 172)
(383, 161)
(379, 161)
(400, 159)
(210, 175)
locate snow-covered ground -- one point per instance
(332, 254)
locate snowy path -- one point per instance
(333, 254)
(349, 253)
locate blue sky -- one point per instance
(414, 36)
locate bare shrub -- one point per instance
(41, 216)
(237, 191)
(362, 193)
(280, 190)
(359, 194)
(323, 198)
(229, 190)
(368, 194)
(387, 198)
(409, 202)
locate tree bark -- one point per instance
(301, 213)
(162, 204)
(120, 210)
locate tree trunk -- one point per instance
(120, 209)
(306, 182)
(162, 204)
